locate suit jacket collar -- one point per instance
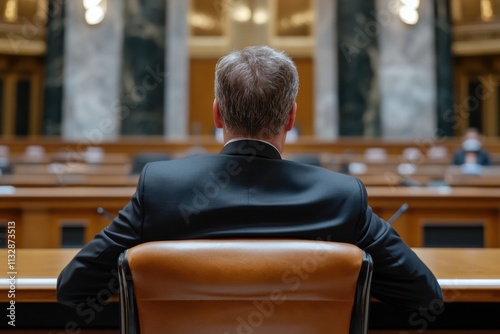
(251, 148)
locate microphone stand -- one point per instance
(104, 213)
(402, 209)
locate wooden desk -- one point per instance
(440, 206)
(393, 180)
(71, 169)
(465, 275)
(390, 159)
(130, 145)
(37, 271)
(68, 180)
(434, 171)
(69, 158)
(468, 277)
(40, 212)
(474, 181)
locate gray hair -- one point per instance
(256, 89)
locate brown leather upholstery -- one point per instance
(244, 286)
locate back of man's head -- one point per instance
(255, 89)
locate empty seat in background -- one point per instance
(412, 154)
(94, 155)
(437, 152)
(34, 154)
(376, 154)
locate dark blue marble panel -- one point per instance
(444, 69)
(143, 67)
(357, 30)
(53, 90)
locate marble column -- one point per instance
(444, 69)
(325, 71)
(177, 60)
(54, 59)
(358, 30)
(91, 104)
(407, 73)
(143, 67)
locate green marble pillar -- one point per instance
(357, 31)
(143, 68)
(444, 69)
(53, 90)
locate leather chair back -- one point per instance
(244, 286)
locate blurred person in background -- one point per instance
(472, 152)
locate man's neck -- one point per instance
(260, 140)
(276, 142)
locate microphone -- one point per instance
(398, 213)
(104, 213)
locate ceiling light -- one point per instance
(408, 11)
(242, 13)
(95, 11)
(408, 15)
(260, 16)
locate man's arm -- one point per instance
(91, 276)
(400, 278)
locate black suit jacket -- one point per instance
(248, 191)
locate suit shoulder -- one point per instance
(184, 167)
(329, 176)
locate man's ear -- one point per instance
(291, 118)
(217, 118)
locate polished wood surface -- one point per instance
(468, 277)
(67, 194)
(439, 206)
(36, 271)
(465, 275)
(124, 148)
(69, 157)
(71, 168)
(67, 163)
(119, 175)
(68, 180)
(473, 181)
(40, 212)
(133, 145)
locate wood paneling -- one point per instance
(201, 96)
(39, 212)
(476, 94)
(13, 70)
(305, 102)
